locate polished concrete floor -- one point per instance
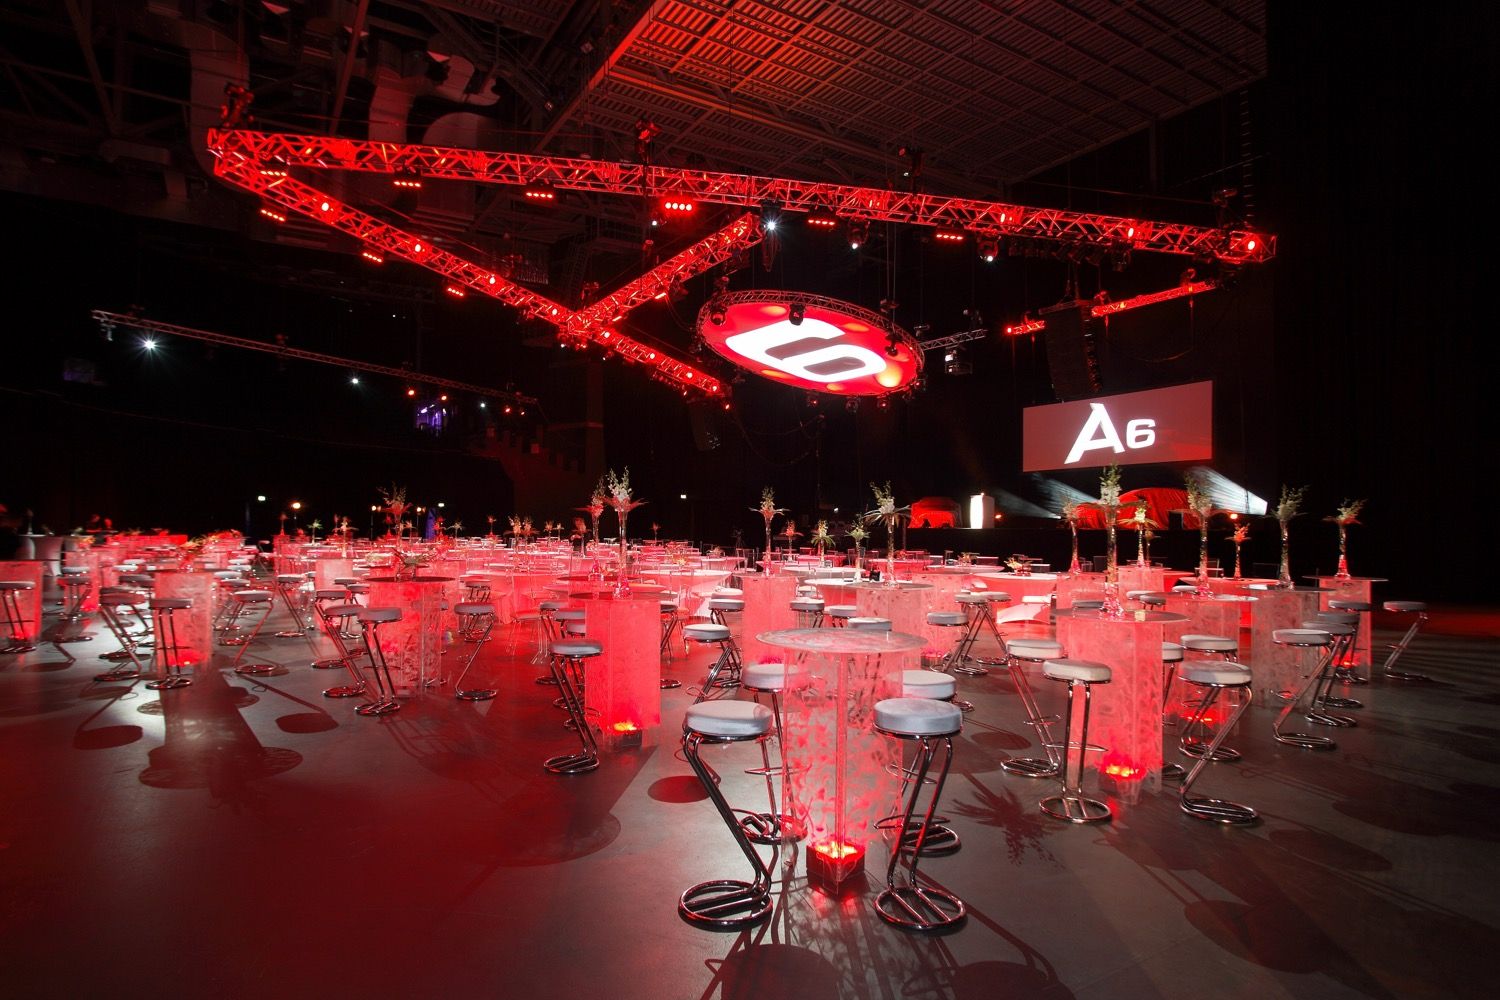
(253, 839)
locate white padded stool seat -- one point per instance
(473, 608)
(1184, 588)
(996, 597)
(575, 627)
(1342, 617)
(329, 595)
(1210, 643)
(706, 632)
(1036, 599)
(969, 597)
(289, 577)
(1076, 670)
(1332, 628)
(1155, 598)
(252, 596)
(227, 574)
(344, 581)
(120, 598)
(1405, 605)
(568, 615)
(918, 716)
(169, 603)
(807, 604)
(552, 605)
(1131, 595)
(1035, 649)
(136, 579)
(668, 606)
(763, 676)
(927, 684)
(946, 618)
(16, 585)
(840, 610)
(343, 610)
(806, 590)
(380, 614)
(1089, 605)
(1301, 636)
(1342, 605)
(1218, 672)
(1171, 652)
(727, 592)
(73, 581)
(359, 588)
(577, 648)
(728, 717)
(726, 604)
(871, 624)
(74, 570)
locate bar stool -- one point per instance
(1171, 656)
(476, 588)
(953, 619)
(1323, 697)
(336, 618)
(289, 586)
(974, 610)
(1216, 677)
(548, 631)
(1342, 640)
(122, 612)
(225, 584)
(809, 611)
(838, 615)
(728, 662)
(247, 599)
(1089, 604)
(768, 678)
(476, 622)
(165, 650)
(671, 621)
(1212, 645)
(567, 661)
(941, 838)
(719, 607)
(1019, 652)
(1070, 804)
(725, 903)
(76, 588)
(385, 701)
(323, 599)
(109, 605)
(1303, 640)
(1344, 667)
(870, 623)
(1419, 609)
(15, 620)
(932, 726)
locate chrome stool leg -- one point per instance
(256, 669)
(475, 694)
(587, 757)
(1304, 741)
(1210, 809)
(1032, 767)
(385, 689)
(165, 648)
(1388, 670)
(1071, 804)
(107, 611)
(335, 617)
(15, 620)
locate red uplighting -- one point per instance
(1122, 768)
(626, 727)
(837, 849)
(272, 214)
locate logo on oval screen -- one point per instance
(836, 347)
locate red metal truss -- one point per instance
(269, 179)
(873, 204)
(1104, 310)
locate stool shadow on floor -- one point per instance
(677, 789)
(1005, 810)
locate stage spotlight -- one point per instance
(354, 380)
(820, 219)
(716, 315)
(892, 344)
(989, 248)
(797, 313)
(148, 344)
(851, 404)
(859, 233)
(770, 215)
(407, 180)
(537, 191)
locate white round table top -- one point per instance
(901, 585)
(1128, 618)
(1016, 576)
(849, 641)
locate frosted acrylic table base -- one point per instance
(622, 686)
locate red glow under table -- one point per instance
(1126, 712)
(838, 784)
(194, 626)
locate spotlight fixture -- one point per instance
(354, 380)
(989, 248)
(859, 233)
(148, 344)
(274, 167)
(716, 315)
(410, 392)
(820, 219)
(406, 180)
(892, 345)
(678, 204)
(852, 404)
(539, 192)
(954, 363)
(373, 255)
(455, 291)
(275, 215)
(797, 313)
(770, 215)
(949, 236)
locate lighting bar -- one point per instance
(1152, 298)
(109, 321)
(1024, 327)
(711, 187)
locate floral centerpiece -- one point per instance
(526, 528)
(515, 529)
(859, 534)
(1201, 504)
(490, 518)
(395, 508)
(886, 512)
(1347, 514)
(768, 511)
(621, 499)
(1108, 504)
(820, 538)
(1288, 507)
(1072, 514)
(1240, 537)
(1142, 526)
